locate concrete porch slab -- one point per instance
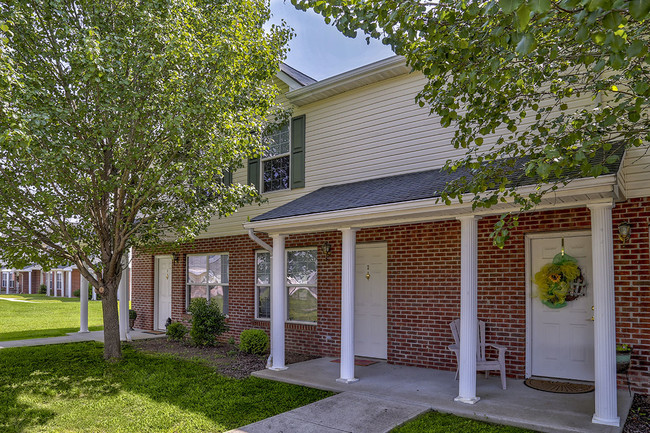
(518, 405)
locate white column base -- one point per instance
(278, 368)
(83, 332)
(346, 381)
(616, 422)
(460, 399)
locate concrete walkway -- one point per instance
(403, 392)
(73, 337)
(348, 412)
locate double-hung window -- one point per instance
(207, 277)
(276, 161)
(59, 281)
(301, 285)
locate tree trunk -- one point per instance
(112, 345)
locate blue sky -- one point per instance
(320, 50)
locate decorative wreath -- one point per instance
(560, 281)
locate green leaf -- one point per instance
(509, 6)
(540, 6)
(612, 20)
(639, 9)
(636, 48)
(523, 16)
(526, 44)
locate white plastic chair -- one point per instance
(482, 364)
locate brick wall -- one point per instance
(423, 287)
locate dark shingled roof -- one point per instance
(393, 189)
(303, 79)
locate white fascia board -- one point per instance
(368, 74)
(286, 79)
(577, 193)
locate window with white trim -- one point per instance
(276, 160)
(207, 277)
(301, 285)
(263, 285)
(302, 290)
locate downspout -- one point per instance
(267, 247)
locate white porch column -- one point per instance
(69, 284)
(468, 309)
(348, 263)
(55, 278)
(48, 283)
(29, 283)
(124, 305)
(83, 305)
(604, 315)
(278, 303)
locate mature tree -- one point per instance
(509, 74)
(119, 120)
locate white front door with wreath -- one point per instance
(561, 331)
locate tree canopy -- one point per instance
(560, 86)
(120, 121)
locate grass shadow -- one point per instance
(144, 392)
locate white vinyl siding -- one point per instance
(373, 131)
(635, 178)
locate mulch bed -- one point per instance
(638, 420)
(226, 358)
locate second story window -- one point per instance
(276, 161)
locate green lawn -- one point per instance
(44, 316)
(436, 422)
(69, 387)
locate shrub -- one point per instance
(42, 290)
(207, 322)
(254, 341)
(133, 314)
(76, 293)
(176, 331)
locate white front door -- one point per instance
(562, 343)
(164, 281)
(370, 301)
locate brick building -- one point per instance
(353, 255)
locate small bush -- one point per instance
(133, 314)
(231, 341)
(42, 290)
(207, 322)
(254, 341)
(176, 331)
(76, 293)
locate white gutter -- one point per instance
(267, 247)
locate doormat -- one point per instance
(558, 387)
(359, 362)
(153, 332)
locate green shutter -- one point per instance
(298, 152)
(254, 172)
(227, 177)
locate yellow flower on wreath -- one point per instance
(554, 281)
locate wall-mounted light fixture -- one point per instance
(326, 248)
(624, 231)
(176, 256)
